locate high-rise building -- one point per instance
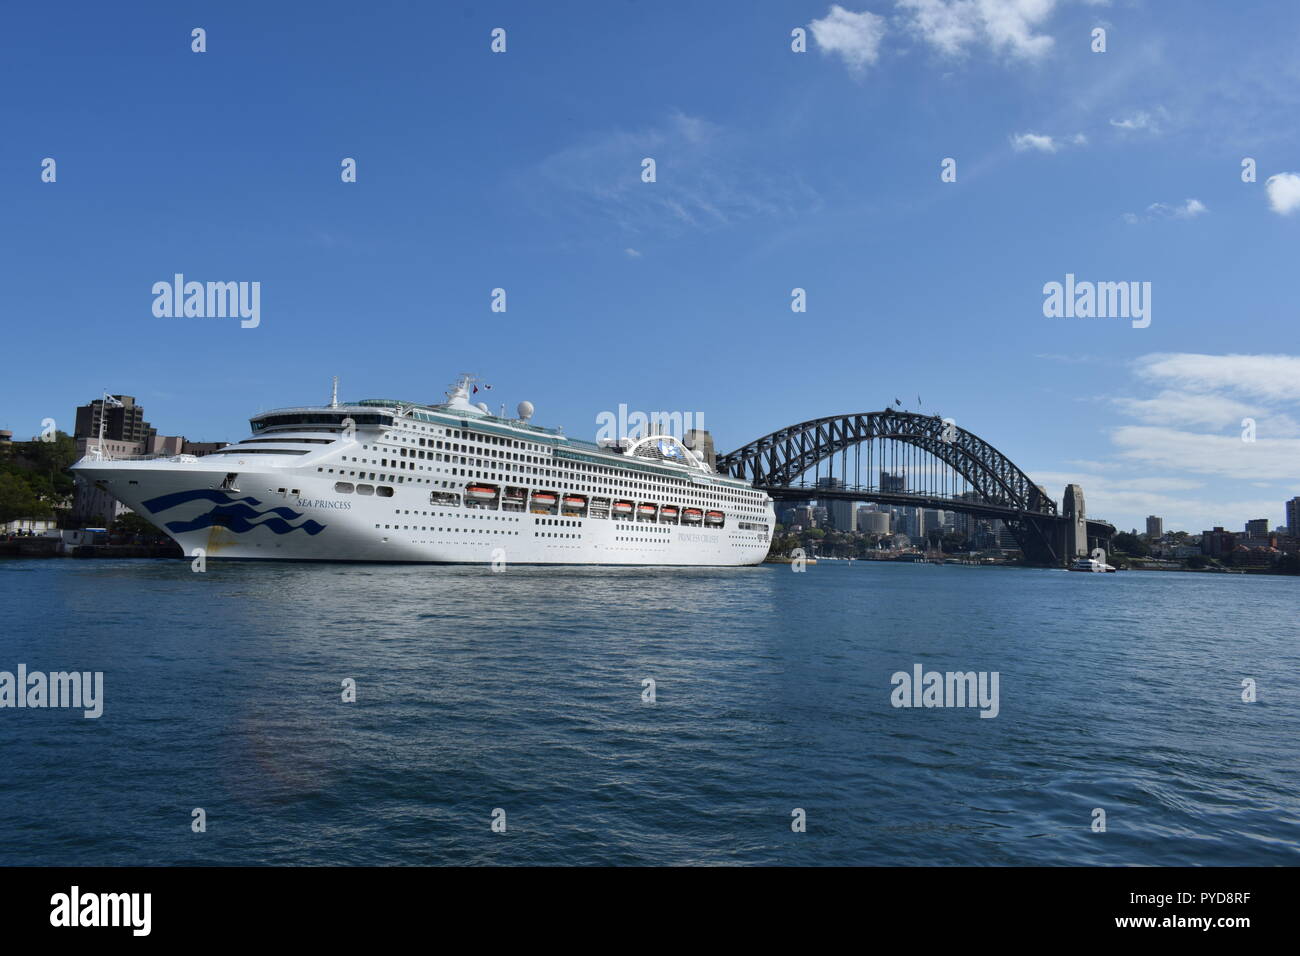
(1257, 528)
(1155, 527)
(873, 522)
(893, 483)
(700, 441)
(1293, 517)
(844, 515)
(122, 422)
(1217, 543)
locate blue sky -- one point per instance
(775, 170)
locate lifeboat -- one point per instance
(480, 492)
(573, 501)
(623, 507)
(543, 498)
(647, 510)
(692, 515)
(668, 511)
(713, 517)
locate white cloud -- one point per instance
(1188, 209)
(1126, 501)
(1005, 26)
(853, 37)
(632, 253)
(1140, 120)
(1044, 143)
(1024, 141)
(1283, 193)
(1268, 377)
(1172, 407)
(1265, 459)
(1186, 459)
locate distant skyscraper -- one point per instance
(1293, 517)
(874, 522)
(1155, 527)
(1257, 528)
(844, 515)
(894, 483)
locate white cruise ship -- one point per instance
(383, 480)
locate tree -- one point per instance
(1129, 543)
(18, 500)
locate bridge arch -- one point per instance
(779, 459)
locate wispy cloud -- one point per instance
(1268, 377)
(1141, 121)
(704, 179)
(1188, 209)
(1283, 193)
(853, 37)
(1043, 143)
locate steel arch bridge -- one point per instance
(992, 484)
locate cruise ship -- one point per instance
(385, 480)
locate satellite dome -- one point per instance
(525, 410)
(482, 407)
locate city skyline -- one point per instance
(775, 171)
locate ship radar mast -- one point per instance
(459, 393)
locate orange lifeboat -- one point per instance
(713, 517)
(623, 507)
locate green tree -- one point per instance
(18, 500)
(1129, 543)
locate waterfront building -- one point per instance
(1155, 527)
(1217, 543)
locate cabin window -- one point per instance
(343, 487)
(365, 489)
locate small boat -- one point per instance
(1090, 564)
(543, 498)
(692, 515)
(713, 517)
(668, 511)
(623, 507)
(647, 510)
(480, 492)
(573, 501)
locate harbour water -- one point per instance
(522, 691)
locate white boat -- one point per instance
(385, 480)
(1090, 564)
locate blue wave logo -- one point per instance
(235, 514)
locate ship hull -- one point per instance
(283, 514)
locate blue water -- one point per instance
(522, 691)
